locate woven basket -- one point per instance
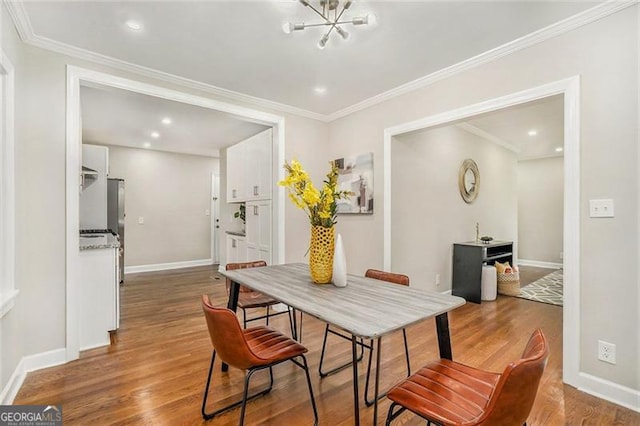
(509, 283)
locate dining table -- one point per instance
(365, 309)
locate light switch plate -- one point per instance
(601, 208)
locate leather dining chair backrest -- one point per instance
(243, 265)
(516, 390)
(227, 337)
(387, 276)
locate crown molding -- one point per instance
(469, 128)
(588, 16)
(21, 20)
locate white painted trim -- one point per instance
(593, 14)
(25, 30)
(8, 290)
(446, 292)
(570, 87)
(538, 264)
(469, 128)
(76, 76)
(610, 391)
(8, 301)
(14, 384)
(27, 364)
(167, 266)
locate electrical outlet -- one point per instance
(606, 352)
(437, 280)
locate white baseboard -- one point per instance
(26, 365)
(539, 264)
(166, 266)
(609, 391)
(446, 292)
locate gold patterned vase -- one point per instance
(321, 254)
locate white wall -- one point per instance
(171, 192)
(429, 215)
(605, 55)
(540, 209)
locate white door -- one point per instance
(215, 218)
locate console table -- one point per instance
(468, 259)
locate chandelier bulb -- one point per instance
(343, 33)
(287, 27)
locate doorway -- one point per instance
(79, 76)
(570, 89)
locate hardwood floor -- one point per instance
(155, 370)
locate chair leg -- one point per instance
(268, 315)
(340, 367)
(208, 416)
(369, 402)
(244, 317)
(246, 392)
(391, 415)
(406, 351)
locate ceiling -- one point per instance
(510, 128)
(239, 46)
(113, 116)
(238, 49)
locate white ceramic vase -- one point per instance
(339, 277)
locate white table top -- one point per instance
(366, 307)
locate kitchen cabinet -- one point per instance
(468, 259)
(236, 173)
(249, 169)
(99, 295)
(236, 248)
(258, 229)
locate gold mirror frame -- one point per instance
(469, 180)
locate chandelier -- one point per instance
(331, 12)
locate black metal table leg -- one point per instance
(377, 385)
(234, 290)
(356, 402)
(444, 337)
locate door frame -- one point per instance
(77, 76)
(570, 88)
(215, 217)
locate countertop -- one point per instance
(99, 241)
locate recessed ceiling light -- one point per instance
(155, 135)
(146, 144)
(133, 25)
(559, 149)
(320, 90)
(166, 120)
(533, 132)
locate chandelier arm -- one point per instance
(321, 14)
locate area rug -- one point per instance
(547, 289)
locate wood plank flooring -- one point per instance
(156, 368)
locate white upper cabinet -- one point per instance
(249, 169)
(236, 173)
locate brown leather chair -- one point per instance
(448, 393)
(251, 349)
(382, 276)
(248, 299)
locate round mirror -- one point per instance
(469, 180)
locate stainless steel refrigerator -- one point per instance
(115, 216)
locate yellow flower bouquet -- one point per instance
(320, 205)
